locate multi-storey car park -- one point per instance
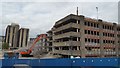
(79, 36)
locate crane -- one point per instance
(29, 51)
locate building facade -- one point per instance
(42, 43)
(79, 36)
(23, 35)
(30, 42)
(11, 35)
(50, 39)
(16, 37)
(41, 46)
(2, 38)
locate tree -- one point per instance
(5, 45)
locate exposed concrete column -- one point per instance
(116, 39)
(60, 48)
(77, 21)
(69, 48)
(77, 30)
(24, 36)
(16, 35)
(53, 48)
(11, 36)
(7, 32)
(20, 39)
(77, 47)
(82, 42)
(77, 38)
(101, 40)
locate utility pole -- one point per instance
(77, 11)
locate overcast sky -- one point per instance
(39, 17)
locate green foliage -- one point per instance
(5, 46)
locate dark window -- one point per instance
(88, 23)
(78, 21)
(85, 39)
(98, 33)
(108, 34)
(97, 26)
(88, 31)
(27, 36)
(98, 41)
(22, 37)
(88, 40)
(85, 31)
(103, 41)
(103, 26)
(105, 34)
(85, 23)
(18, 38)
(92, 40)
(95, 41)
(57, 48)
(92, 24)
(92, 32)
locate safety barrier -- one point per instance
(64, 62)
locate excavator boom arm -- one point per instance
(36, 40)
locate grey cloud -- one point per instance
(59, 0)
(119, 12)
(41, 16)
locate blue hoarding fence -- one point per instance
(113, 62)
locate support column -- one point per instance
(53, 47)
(82, 42)
(116, 39)
(77, 47)
(101, 40)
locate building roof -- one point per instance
(87, 19)
(24, 28)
